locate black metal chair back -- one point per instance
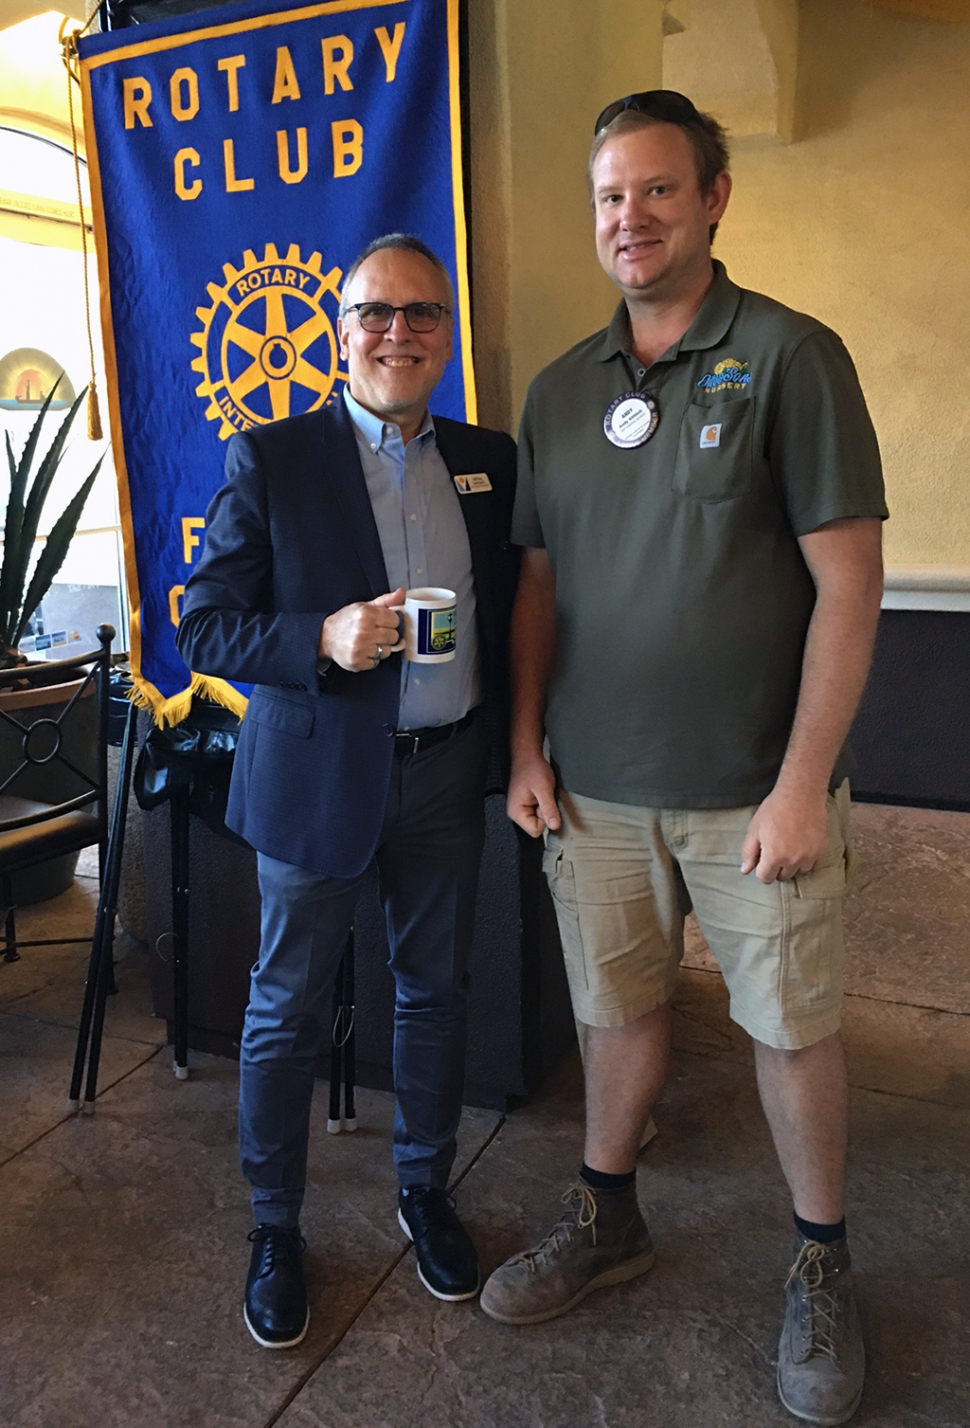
(34, 826)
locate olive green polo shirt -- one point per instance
(682, 597)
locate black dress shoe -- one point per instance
(447, 1262)
(275, 1309)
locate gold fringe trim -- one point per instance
(221, 692)
(166, 712)
(139, 698)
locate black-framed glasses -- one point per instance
(379, 316)
(664, 104)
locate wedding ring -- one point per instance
(379, 656)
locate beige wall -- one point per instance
(865, 222)
(738, 59)
(540, 72)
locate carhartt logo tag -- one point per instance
(476, 481)
(711, 436)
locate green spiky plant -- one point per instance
(18, 598)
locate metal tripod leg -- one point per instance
(10, 953)
(334, 1119)
(342, 1048)
(350, 1032)
(100, 978)
(179, 812)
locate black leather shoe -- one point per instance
(275, 1308)
(447, 1261)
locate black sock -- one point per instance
(824, 1234)
(599, 1180)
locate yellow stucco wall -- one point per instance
(539, 73)
(865, 222)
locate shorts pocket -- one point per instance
(714, 453)
(814, 953)
(562, 885)
(829, 880)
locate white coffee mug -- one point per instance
(428, 616)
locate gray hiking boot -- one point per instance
(821, 1358)
(601, 1239)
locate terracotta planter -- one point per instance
(51, 782)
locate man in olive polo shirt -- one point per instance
(701, 501)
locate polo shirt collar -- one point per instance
(374, 429)
(715, 314)
(617, 337)
(710, 325)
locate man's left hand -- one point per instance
(788, 835)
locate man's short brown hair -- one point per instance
(707, 139)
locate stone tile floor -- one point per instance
(122, 1235)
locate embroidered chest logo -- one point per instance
(728, 376)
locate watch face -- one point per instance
(631, 419)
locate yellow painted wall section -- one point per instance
(726, 61)
(540, 72)
(865, 223)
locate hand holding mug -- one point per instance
(359, 636)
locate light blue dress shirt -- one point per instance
(425, 542)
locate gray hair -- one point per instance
(401, 243)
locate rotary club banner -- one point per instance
(240, 159)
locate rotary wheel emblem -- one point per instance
(268, 348)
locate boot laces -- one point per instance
(279, 1245)
(580, 1214)
(825, 1311)
(427, 1206)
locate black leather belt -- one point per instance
(409, 741)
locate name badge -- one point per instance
(476, 481)
(631, 419)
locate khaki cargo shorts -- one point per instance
(623, 878)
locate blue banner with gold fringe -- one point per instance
(240, 158)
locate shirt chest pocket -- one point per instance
(714, 453)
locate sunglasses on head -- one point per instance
(663, 104)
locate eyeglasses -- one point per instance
(379, 316)
(664, 104)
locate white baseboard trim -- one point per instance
(927, 587)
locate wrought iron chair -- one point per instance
(34, 829)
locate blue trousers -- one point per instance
(428, 858)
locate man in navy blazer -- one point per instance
(349, 753)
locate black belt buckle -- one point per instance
(407, 742)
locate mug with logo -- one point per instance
(428, 617)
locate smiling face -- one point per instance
(652, 221)
(393, 373)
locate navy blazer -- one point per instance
(291, 538)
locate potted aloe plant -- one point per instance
(20, 596)
(23, 585)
